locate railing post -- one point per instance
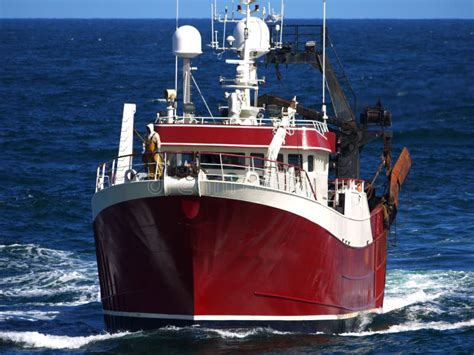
(112, 174)
(103, 176)
(164, 170)
(278, 178)
(97, 179)
(222, 167)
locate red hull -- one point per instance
(217, 257)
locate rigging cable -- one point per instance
(202, 97)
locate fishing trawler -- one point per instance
(253, 217)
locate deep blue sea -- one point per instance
(62, 88)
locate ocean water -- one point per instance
(62, 87)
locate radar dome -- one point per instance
(258, 36)
(187, 42)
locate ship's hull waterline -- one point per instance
(184, 260)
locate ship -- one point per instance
(256, 216)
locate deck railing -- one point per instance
(320, 127)
(210, 166)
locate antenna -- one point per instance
(225, 22)
(176, 58)
(323, 108)
(212, 24)
(282, 9)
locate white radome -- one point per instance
(187, 42)
(259, 36)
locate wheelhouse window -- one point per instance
(281, 159)
(258, 162)
(295, 159)
(232, 161)
(310, 163)
(210, 160)
(187, 158)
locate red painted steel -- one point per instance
(210, 256)
(304, 138)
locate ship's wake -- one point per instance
(40, 288)
(423, 300)
(415, 326)
(48, 341)
(36, 281)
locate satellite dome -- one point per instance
(258, 36)
(187, 42)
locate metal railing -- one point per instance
(340, 186)
(296, 36)
(210, 166)
(320, 127)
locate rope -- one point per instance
(139, 135)
(202, 97)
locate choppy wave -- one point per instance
(39, 340)
(416, 293)
(406, 288)
(231, 333)
(421, 294)
(435, 133)
(37, 276)
(416, 326)
(29, 315)
(244, 333)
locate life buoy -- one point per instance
(130, 175)
(252, 178)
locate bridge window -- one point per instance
(280, 159)
(257, 163)
(295, 159)
(310, 163)
(233, 160)
(213, 161)
(187, 158)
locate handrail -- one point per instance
(348, 179)
(202, 153)
(259, 121)
(277, 175)
(310, 184)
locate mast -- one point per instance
(250, 40)
(186, 81)
(323, 108)
(176, 58)
(246, 57)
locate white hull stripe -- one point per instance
(238, 318)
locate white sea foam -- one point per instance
(42, 276)
(404, 288)
(415, 326)
(394, 302)
(231, 333)
(243, 332)
(39, 340)
(29, 315)
(421, 295)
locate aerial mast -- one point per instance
(176, 58)
(323, 108)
